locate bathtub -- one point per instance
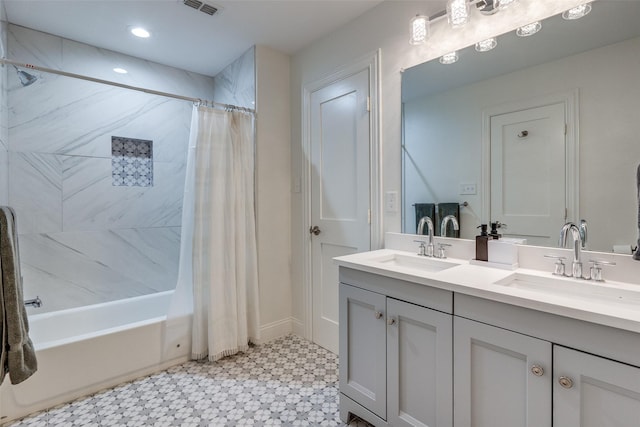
(83, 350)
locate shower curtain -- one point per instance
(218, 275)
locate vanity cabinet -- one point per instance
(395, 360)
(502, 378)
(591, 391)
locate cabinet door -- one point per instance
(419, 366)
(591, 391)
(501, 378)
(362, 333)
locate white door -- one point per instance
(590, 391)
(528, 175)
(501, 378)
(340, 192)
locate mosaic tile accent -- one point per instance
(287, 382)
(131, 162)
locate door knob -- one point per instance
(565, 382)
(379, 315)
(538, 371)
(391, 321)
(315, 230)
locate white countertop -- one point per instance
(480, 281)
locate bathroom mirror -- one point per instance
(490, 130)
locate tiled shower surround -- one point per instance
(82, 239)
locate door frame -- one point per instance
(370, 63)
(570, 99)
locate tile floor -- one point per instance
(287, 382)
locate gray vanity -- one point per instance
(433, 342)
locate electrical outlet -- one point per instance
(468, 188)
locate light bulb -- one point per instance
(449, 58)
(486, 45)
(577, 12)
(419, 27)
(140, 32)
(458, 12)
(529, 29)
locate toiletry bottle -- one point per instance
(482, 252)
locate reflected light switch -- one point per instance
(391, 201)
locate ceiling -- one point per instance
(184, 37)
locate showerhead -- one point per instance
(25, 78)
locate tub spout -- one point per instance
(35, 302)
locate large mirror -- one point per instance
(537, 132)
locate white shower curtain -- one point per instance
(218, 274)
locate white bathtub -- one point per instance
(83, 350)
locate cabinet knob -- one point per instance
(378, 315)
(391, 321)
(538, 371)
(565, 382)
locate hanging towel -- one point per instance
(425, 209)
(636, 255)
(17, 355)
(443, 210)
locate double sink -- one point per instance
(523, 283)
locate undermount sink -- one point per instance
(414, 262)
(604, 293)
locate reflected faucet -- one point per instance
(426, 220)
(576, 267)
(445, 222)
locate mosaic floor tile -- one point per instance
(287, 382)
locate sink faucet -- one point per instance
(426, 220)
(445, 222)
(576, 267)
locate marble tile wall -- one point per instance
(82, 239)
(236, 84)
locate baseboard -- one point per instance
(277, 329)
(298, 327)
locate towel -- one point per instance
(17, 355)
(445, 209)
(425, 209)
(636, 255)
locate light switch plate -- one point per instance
(468, 188)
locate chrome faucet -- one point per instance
(576, 267)
(426, 220)
(445, 222)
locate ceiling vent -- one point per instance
(207, 8)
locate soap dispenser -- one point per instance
(494, 230)
(482, 252)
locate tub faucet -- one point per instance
(445, 222)
(426, 220)
(571, 228)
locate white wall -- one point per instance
(609, 95)
(273, 200)
(386, 27)
(4, 109)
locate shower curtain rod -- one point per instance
(125, 86)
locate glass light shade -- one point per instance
(419, 27)
(449, 58)
(529, 29)
(486, 45)
(457, 13)
(577, 12)
(503, 4)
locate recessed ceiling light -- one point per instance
(486, 45)
(140, 32)
(120, 70)
(577, 12)
(449, 58)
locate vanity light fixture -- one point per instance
(486, 45)
(449, 58)
(577, 12)
(140, 32)
(529, 29)
(419, 27)
(120, 70)
(458, 13)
